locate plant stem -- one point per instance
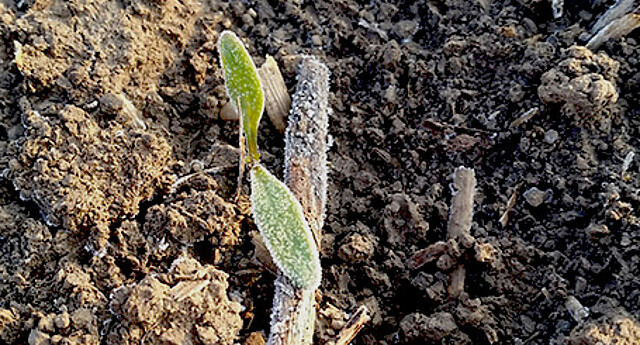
(460, 217)
(293, 315)
(306, 142)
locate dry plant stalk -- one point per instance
(619, 9)
(460, 217)
(306, 140)
(293, 314)
(354, 325)
(615, 30)
(461, 212)
(618, 21)
(306, 177)
(459, 236)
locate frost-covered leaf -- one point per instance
(280, 219)
(243, 84)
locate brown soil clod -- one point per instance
(188, 304)
(584, 84)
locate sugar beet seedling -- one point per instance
(277, 212)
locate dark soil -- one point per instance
(104, 105)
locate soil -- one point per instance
(106, 105)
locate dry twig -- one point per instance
(354, 325)
(460, 217)
(306, 176)
(619, 20)
(458, 232)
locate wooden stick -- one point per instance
(293, 313)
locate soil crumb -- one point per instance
(620, 331)
(584, 83)
(187, 305)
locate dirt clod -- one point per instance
(584, 83)
(534, 196)
(194, 217)
(87, 176)
(356, 248)
(620, 331)
(416, 328)
(187, 305)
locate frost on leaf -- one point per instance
(281, 222)
(243, 85)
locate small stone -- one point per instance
(534, 196)
(111, 104)
(228, 112)
(581, 284)
(576, 309)
(625, 241)
(391, 94)
(551, 136)
(247, 19)
(597, 230)
(405, 29)
(15, 131)
(317, 40)
(62, 321)
(37, 337)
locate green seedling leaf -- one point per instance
(280, 219)
(243, 86)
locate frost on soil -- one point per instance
(197, 216)
(82, 175)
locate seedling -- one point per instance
(276, 211)
(243, 87)
(279, 217)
